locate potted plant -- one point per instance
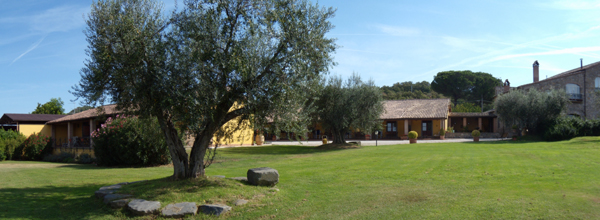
(442, 134)
(514, 137)
(451, 129)
(412, 137)
(476, 135)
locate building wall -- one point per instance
(240, 137)
(436, 127)
(416, 126)
(28, 130)
(584, 108)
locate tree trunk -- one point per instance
(338, 137)
(178, 155)
(199, 149)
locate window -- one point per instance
(574, 92)
(597, 83)
(391, 127)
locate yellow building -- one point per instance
(27, 124)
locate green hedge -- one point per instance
(566, 127)
(10, 142)
(130, 141)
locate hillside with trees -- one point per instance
(409, 90)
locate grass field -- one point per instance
(485, 180)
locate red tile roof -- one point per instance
(416, 109)
(87, 114)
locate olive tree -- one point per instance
(353, 104)
(207, 69)
(530, 109)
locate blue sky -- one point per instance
(42, 46)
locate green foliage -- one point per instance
(208, 64)
(80, 109)
(409, 90)
(533, 109)
(54, 106)
(10, 142)
(63, 157)
(567, 127)
(413, 135)
(475, 133)
(442, 132)
(355, 104)
(465, 85)
(130, 141)
(466, 107)
(2, 153)
(35, 147)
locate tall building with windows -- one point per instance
(580, 84)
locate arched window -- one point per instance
(574, 92)
(597, 83)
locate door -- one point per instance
(426, 128)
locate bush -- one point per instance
(35, 147)
(10, 142)
(130, 141)
(85, 159)
(475, 133)
(2, 154)
(442, 132)
(566, 127)
(413, 135)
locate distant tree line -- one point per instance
(410, 90)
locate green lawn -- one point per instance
(499, 180)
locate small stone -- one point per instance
(122, 184)
(116, 186)
(219, 176)
(143, 207)
(263, 176)
(240, 202)
(180, 210)
(119, 203)
(101, 193)
(274, 190)
(111, 197)
(245, 179)
(215, 209)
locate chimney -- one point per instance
(536, 71)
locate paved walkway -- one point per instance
(382, 142)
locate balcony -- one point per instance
(575, 96)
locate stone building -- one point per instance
(579, 83)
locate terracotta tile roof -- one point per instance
(415, 109)
(471, 114)
(87, 114)
(11, 118)
(566, 73)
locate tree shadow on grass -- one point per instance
(51, 203)
(274, 150)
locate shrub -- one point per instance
(475, 133)
(413, 135)
(35, 147)
(130, 141)
(85, 159)
(565, 128)
(2, 154)
(10, 142)
(442, 132)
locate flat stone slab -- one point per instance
(143, 207)
(180, 210)
(219, 176)
(240, 178)
(101, 193)
(240, 202)
(116, 186)
(263, 176)
(215, 209)
(111, 197)
(119, 203)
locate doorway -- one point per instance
(426, 128)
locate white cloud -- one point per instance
(574, 4)
(35, 45)
(398, 31)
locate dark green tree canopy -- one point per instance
(212, 63)
(409, 90)
(353, 104)
(465, 85)
(54, 106)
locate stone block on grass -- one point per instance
(263, 176)
(101, 193)
(119, 203)
(116, 186)
(180, 210)
(111, 197)
(214, 209)
(143, 207)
